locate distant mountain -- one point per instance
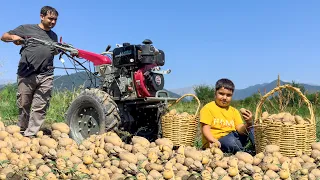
(74, 80)
(249, 91)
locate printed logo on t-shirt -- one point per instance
(223, 123)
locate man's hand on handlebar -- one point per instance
(17, 40)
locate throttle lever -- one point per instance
(108, 48)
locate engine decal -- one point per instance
(158, 80)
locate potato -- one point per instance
(184, 114)
(217, 151)
(257, 176)
(280, 115)
(315, 154)
(62, 127)
(205, 174)
(272, 148)
(140, 140)
(141, 176)
(256, 161)
(137, 148)
(75, 160)
(182, 174)
(3, 144)
(243, 110)
(65, 142)
(164, 141)
(173, 112)
(205, 160)
(298, 119)
(273, 167)
(244, 156)
(284, 174)
(194, 154)
(220, 171)
(115, 140)
(2, 127)
(264, 115)
(167, 174)
(49, 142)
(271, 174)
(233, 171)
(3, 135)
(315, 146)
(316, 172)
(11, 129)
(155, 174)
(126, 156)
(287, 117)
(312, 177)
(118, 176)
(44, 169)
(20, 144)
(188, 161)
(223, 164)
(128, 147)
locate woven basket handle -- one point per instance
(178, 100)
(297, 90)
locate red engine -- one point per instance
(134, 68)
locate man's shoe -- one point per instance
(31, 136)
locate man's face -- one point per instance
(223, 97)
(49, 21)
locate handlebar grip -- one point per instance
(22, 41)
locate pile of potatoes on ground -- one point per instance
(106, 156)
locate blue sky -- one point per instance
(249, 42)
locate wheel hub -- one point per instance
(86, 122)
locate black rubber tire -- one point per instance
(106, 113)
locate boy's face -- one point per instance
(223, 97)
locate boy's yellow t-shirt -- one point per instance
(222, 120)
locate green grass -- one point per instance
(62, 99)
(59, 104)
(8, 106)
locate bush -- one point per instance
(204, 93)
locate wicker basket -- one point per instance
(181, 130)
(289, 138)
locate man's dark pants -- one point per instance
(34, 93)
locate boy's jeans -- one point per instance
(234, 142)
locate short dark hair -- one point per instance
(226, 83)
(45, 10)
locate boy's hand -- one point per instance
(247, 115)
(215, 143)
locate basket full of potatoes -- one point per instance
(291, 132)
(180, 128)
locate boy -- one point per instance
(222, 125)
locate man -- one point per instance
(35, 70)
(222, 124)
